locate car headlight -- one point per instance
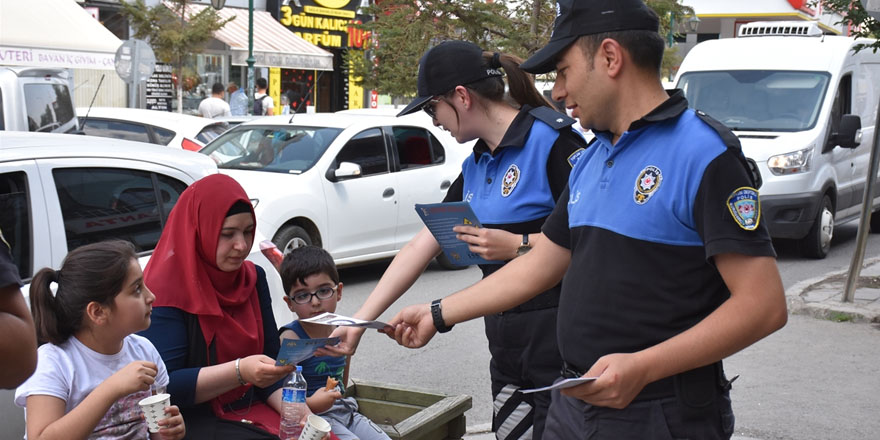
(791, 163)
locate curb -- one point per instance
(829, 309)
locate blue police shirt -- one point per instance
(642, 219)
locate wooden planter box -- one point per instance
(407, 413)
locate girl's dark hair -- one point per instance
(304, 262)
(94, 272)
(520, 83)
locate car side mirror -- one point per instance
(345, 170)
(848, 133)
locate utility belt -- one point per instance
(695, 389)
(543, 301)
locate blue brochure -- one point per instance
(440, 218)
(294, 351)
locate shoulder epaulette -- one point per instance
(732, 141)
(551, 117)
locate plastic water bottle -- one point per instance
(293, 406)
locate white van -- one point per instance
(804, 106)
(36, 99)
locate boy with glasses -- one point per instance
(312, 287)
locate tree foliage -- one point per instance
(853, 12)
(171, 37)
(399, 37)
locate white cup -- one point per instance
(154, 409)
(316, 428)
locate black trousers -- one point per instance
(524, 355)
(658, 419)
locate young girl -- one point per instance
(92, 370)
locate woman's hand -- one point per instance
(261, 370)
(172, 427)
(136, 376)
(349, 338)
(491, 244)
(322, 400)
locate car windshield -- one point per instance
(288, 149)
(757, 100)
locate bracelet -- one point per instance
(238, 372)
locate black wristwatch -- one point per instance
(524, 247)
(437, 315)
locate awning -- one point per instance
(274, 44)
(54, 33)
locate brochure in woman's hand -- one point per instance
(294, 351)
(440, 218)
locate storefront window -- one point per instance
(200, 72)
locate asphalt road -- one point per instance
(813, 379)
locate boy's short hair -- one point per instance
(262, 83)
(304, 262)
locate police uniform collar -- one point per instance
(671, 108)
(515, 136)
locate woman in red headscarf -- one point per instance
(212, 319)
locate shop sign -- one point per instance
(24, 56)
(160, 88)
(326, 23)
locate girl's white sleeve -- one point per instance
(51, 378)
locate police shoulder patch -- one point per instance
(573, 157)
(745, 207)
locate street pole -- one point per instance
(855, 266)
(250, 58)
(872, 7)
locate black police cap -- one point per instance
(446, 66)
(586, 17)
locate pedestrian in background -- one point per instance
(263, 103)
(519, 167)
(667, 267)
(238, 100)
(214, 106)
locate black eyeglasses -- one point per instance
(429, 108)
(321, 293)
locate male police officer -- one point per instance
(667, 266)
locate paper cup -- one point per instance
(316, 428)
(154, 410)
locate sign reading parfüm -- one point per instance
(160, 88)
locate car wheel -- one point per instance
(444, 262)
(289, 238)
(818, 241)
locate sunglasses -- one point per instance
(321, 293)
(429, 108)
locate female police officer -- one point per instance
(520, 166)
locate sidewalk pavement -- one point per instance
(820, 297)
(483, 432)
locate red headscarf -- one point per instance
(183, 271)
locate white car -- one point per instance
(60, 191)
(346, 182)
(150, 126)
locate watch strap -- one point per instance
(437, 316)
